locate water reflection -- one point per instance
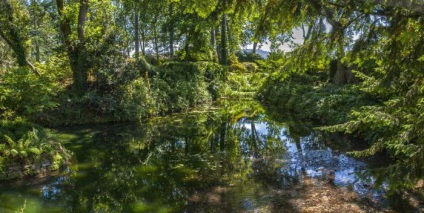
(230, 158)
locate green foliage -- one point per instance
(24, 144)
(379, 42)
(250, 67)
(244, 84)
(325, 105)
(238, 67)
(178, 86)
(244, 56)
(384, 108)
(129, 95)
(23, 93)
(136, 101)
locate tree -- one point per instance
(76, 48)
(12, 21)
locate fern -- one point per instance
(9, 140)
(35, 151)
(14, 152)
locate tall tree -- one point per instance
(76, 49)
(136, 30)
(171, 30)
(224, 48)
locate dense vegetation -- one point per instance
(358, 68)
(377, 50)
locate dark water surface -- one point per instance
(230, 157)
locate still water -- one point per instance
(228, 157)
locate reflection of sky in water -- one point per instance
(317, 161)
(52, 189)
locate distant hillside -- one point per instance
(264, 54)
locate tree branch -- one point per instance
(13, 47)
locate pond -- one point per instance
(227, 157)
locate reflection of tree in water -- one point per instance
(196, 161)
(145, 166)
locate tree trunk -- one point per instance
(143, 41)
(13, 38)
(222, 135)
(342, 72)
(340, 76)
(77, 54)
(34, 22)
(81, 73)
(254, 138)
(82, 16)
(255, 45)
(171, 31)
(217, 47)
(137, 37)
(187, 48)
(37, 51)
(156, 42)
(229, 37)
(213, 44)
(224, 54)
(213, 38)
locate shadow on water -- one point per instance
(230, 157)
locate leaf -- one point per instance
(14, 152)
(34, 150)
(23, 153)
(9, 141)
